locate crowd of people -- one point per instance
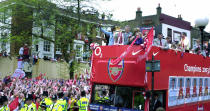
(41, 94)
(124, 36)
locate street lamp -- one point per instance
(201, 24)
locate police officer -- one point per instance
(72, 102)
(83, 102)
(3, 103)
(29, 105)
(62, 102)
(55, 106)
(46, 100)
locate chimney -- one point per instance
(180, 17)
(138, 13)
(159, 9)
(139, 16)
(157, 22)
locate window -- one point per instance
(177, 37)
(169, 32)
(37, 48)
(118, 96)
(58, 48)
(78, 50)
(4, 41)
(47, 46)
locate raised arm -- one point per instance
(106, 32)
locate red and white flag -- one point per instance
(147, 46)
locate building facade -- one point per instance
(167, 25)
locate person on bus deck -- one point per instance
(197, 47)
(200, 88)
(184, 43)
(157, 102)
(181, 95)
(188, 89)
(206, 48)
(160, 42)
(169, 44)
(138, 35)
(127, 34)
(206, 88)
(118, 37)
(110, 34)
(194, 88)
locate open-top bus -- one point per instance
(183, 83)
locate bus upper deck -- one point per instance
(128, 78)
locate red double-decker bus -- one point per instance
(183, 83)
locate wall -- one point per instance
(165, 27)
(7, 66)
(52, 69)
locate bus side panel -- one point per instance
(196, 106)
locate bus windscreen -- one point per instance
(118, 97)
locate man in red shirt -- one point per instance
(26, 52)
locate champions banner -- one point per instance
(147, 45)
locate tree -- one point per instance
(44, 20)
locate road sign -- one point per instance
(153, 66)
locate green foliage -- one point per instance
(44, 20)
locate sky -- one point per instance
(190, 10)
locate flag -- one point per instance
(146, 108)
(147, 44)
(14, 104)
(122, 56)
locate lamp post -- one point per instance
(201, 24)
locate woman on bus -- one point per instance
(138, 35)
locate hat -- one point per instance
(54, 97)
(43, 105)
(60, 95)
(45, 93)
(29, 97)
(4, 98)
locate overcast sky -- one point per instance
(126, 9)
